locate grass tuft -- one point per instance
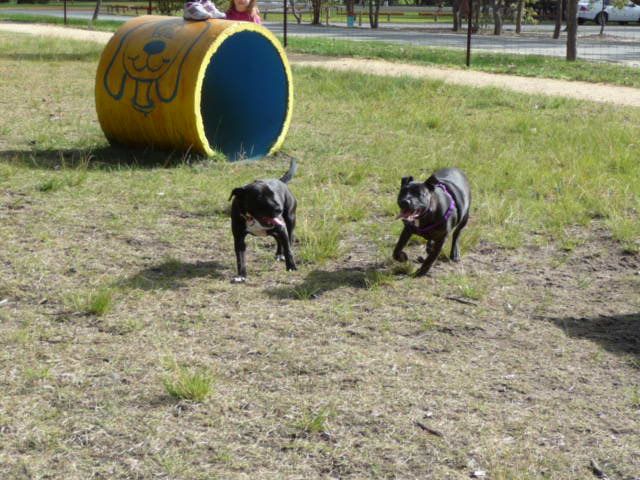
(376, 279)
(95, 302)
(312, 423)
(186, 384)
(306, 292)
(472, 288)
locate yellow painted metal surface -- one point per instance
(150, 76)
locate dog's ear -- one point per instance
(236, 192)
(431, 183)
(406, 180)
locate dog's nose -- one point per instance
(404, 203)
(155, 47)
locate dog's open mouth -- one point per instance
(270, 221)
(265, 222)
(260, 226)
(410, 215)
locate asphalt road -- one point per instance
(621, 44)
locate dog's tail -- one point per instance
(293, 166)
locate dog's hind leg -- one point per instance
(455, 251)
(290, 222)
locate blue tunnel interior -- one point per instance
(244, 96)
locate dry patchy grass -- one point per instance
(523, 359)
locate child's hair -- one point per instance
(252, 8)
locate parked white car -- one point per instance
(592, 11)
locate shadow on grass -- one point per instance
(616, 333)
(170, 275)
(103, 158)
(319, 282)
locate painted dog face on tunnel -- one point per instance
(152, 60)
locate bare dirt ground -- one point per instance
(579, 90)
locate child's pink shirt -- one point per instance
(233, 14)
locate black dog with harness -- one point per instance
(433, 209)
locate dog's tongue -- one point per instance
(407, 214)
(271, 221)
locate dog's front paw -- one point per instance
(291, 267)
(420, 273)
(280, 258)
(400, 257)
(238, 279)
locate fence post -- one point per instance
(470, 15)
(284, 27)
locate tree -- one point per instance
(496, 7)
(297, 16)
(558, 26)
(603, 16)
(459, 7)
(519, 11)
(374, 13)
(317, 10)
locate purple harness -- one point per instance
(452, 205)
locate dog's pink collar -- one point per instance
(452, 205)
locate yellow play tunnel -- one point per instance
(171, 84)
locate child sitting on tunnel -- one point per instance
(244, 11)
(201, 10)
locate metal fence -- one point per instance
(430, 26)
(433, 27)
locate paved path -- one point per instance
(625, 96)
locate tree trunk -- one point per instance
(603, 19)
(475, 20)
(96, 11)
(496, 7)
(316, 4)
(456, 10)
(297, 16)
(374, 13)
(519, 16)
(558, 28)
(572, 30)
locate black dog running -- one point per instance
(433, 209)
(264, 207)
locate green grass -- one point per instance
(314, 422)
(101, 25)
(327, 371)
(187, 384)
(95, 302)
